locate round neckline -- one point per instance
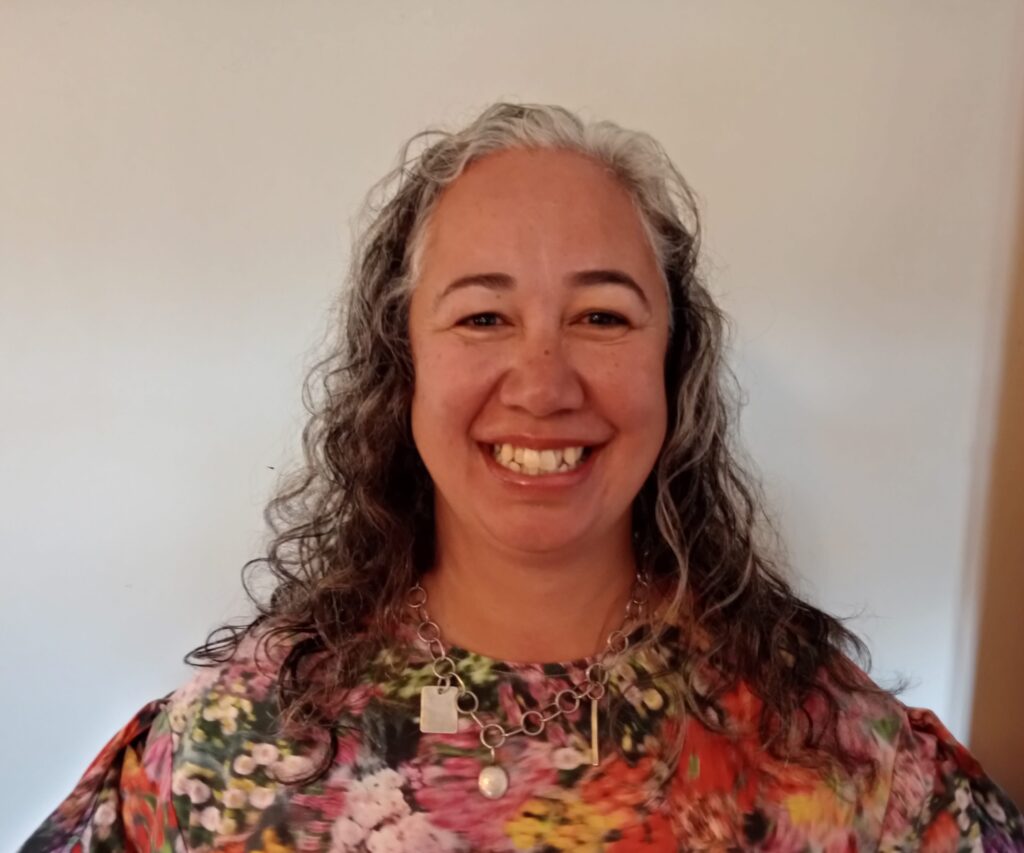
(460, 654)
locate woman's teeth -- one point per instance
(526, 460)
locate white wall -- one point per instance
(176, 182)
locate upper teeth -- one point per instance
(536, 461)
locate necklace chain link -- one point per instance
(566, 701)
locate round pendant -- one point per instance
(493, 782)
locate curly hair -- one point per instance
(353, 528)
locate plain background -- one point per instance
(178, 183)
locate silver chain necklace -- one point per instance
(441, 703)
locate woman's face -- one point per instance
(538, 326)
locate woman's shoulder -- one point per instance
(936, 793)
(940, 795)
(899, 780)
(204, 762)
(230, 762)
(229, 712)
(234, 691)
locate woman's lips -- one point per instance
(556, 480)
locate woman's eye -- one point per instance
(604, 318)
(480, 321)
(488, 319)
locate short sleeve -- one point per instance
(123, 801)
(940, 798)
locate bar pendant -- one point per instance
(594, 758)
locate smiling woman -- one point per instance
(519, 538)
(524, 600)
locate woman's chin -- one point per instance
(538, 538)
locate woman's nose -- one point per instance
(541, 379)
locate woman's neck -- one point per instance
(529, 607)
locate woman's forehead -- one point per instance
(535, 206)
(506, 181)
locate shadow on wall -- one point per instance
(997, 717)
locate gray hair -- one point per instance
(657, 189)
(353, 528)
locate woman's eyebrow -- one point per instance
(591, 277)
(491, 280)
(584, 278)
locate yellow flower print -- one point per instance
(818, 806)
(560, 825)
(225, 711)
(653, 699)
(271, 843)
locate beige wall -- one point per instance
(176, 182)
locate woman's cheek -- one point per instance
(636, 385)
(458, 380)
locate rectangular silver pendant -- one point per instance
(438, 712)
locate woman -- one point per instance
(523, 599)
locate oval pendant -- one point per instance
(493, 782)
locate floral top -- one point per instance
(206, 769)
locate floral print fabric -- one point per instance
(205, 769)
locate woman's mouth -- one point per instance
(537, 463)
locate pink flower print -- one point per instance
(387, 839)
(346, 835)
(413, 832)
(262, 798)
(422, 834)
(265, 753)
(509, 709)
(289, 768)
(859, 727)
(157, 760)
(234, 798)
(710, 822)
(555, 735)
(198, 792)
(324, 806)
(370, 810)
(910, 787)
(446, 787)
(377, 798)
(192, 690)
(543, 688)
(209, 818)
(348, 749)
(357, 698)
(105, 815)
(179, 782)
(569, 758)
(534, 679)
(382, 780)
(243, 764)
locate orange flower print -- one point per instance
(616, 784)
(940, 835)
(144, 820)
(652, 835)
